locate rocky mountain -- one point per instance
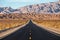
(52, 7)
(7, 10)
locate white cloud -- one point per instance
(19, 0)
(29, 0)
(1, 5)
(24, 0)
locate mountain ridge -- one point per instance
(52, 7)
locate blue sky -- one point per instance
(20, 3)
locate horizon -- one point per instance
(21, 3)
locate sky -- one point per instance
(20, 3)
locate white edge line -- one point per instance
(17, 28)
(49, 30)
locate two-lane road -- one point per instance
(37, 33)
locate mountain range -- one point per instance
(52, 7)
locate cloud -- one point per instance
(19, 0)
(1, 5)
(28, 0)
(25, 0)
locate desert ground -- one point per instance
(49, 21)
(14, 20)
(7, 24)
(8, 21)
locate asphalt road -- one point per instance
(33, 31)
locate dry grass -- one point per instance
(6, 24)
(49, 23)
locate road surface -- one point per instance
(32, 32)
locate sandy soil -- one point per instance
(51, 29)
